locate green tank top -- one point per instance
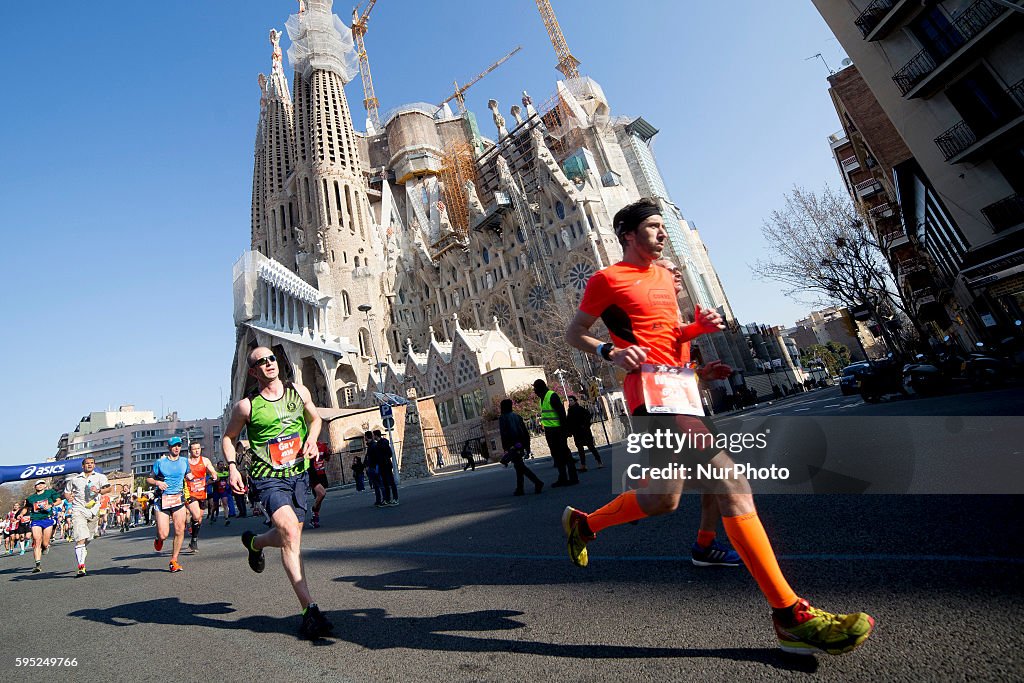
(277, 430)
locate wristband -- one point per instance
(605, 350)
(232, 462)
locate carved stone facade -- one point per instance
(440, 230)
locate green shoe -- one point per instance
(817, 630)
(572, 523)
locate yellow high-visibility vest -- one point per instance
(548, 416)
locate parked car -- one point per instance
(852, 377)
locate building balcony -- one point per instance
(922, 297)
(868, 188)
(964, 142)
(882, 211)
(926, 71)
(892, 237)
(880, 17)
(911, 265)
(1005, 213)
(850, 164)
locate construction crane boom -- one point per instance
(358, 33)
(567, 64)
(461, 89)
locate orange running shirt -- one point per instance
(638, 305)
(195, 479)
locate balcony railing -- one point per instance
(850, 164)
(873, 15)
(883, 210)
(966, 26)
(868, 187)
(962, 136)
(1005, 213)
(911, 265)
(914, 71)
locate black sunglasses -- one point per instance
(266, 360)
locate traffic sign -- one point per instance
(385, 411)
(389, 422)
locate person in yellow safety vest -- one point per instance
(552, 418)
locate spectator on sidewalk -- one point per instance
(578, 420)
(514, 437)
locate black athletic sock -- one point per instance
(195, 529)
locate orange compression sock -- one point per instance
(751, 542)
(621, 510)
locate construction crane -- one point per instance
(358, 33)
(460, 90)
(567, 64)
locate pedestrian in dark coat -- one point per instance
(515, 439)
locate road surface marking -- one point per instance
(867, 557)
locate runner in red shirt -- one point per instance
(199, 468)
(318, 480)
(635, 299)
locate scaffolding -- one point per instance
(458, 166)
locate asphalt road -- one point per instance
(464, 582)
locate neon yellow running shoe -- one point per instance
(573, 522)
(818, 630)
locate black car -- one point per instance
(851, 377)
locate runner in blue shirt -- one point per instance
(169, 477)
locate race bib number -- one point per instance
(40, 506)
(170, 500)
(285, 450)
(670, 390)
(197, 486)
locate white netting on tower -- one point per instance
(320, 40)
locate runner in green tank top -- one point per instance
(279, 416)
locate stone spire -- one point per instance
(278, 225)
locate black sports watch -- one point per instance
(605, 350)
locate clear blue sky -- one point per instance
(127, 136)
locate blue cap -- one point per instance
(174, 441)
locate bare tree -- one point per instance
(545, 345)
(821, 248)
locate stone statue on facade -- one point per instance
(499, 120)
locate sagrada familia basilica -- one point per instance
(422, 254)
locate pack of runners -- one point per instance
(283, 466)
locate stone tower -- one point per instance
(274, 222)
(339, 247)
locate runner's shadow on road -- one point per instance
(140, 556)
(374, 629)
(174, 611)
(406, 580)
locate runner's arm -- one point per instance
(576, 335)
(239, 418)
(210, 469)
(313, 421)
(152, 478)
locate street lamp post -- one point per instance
(560, 374)
(365, 308)
(601, 408)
